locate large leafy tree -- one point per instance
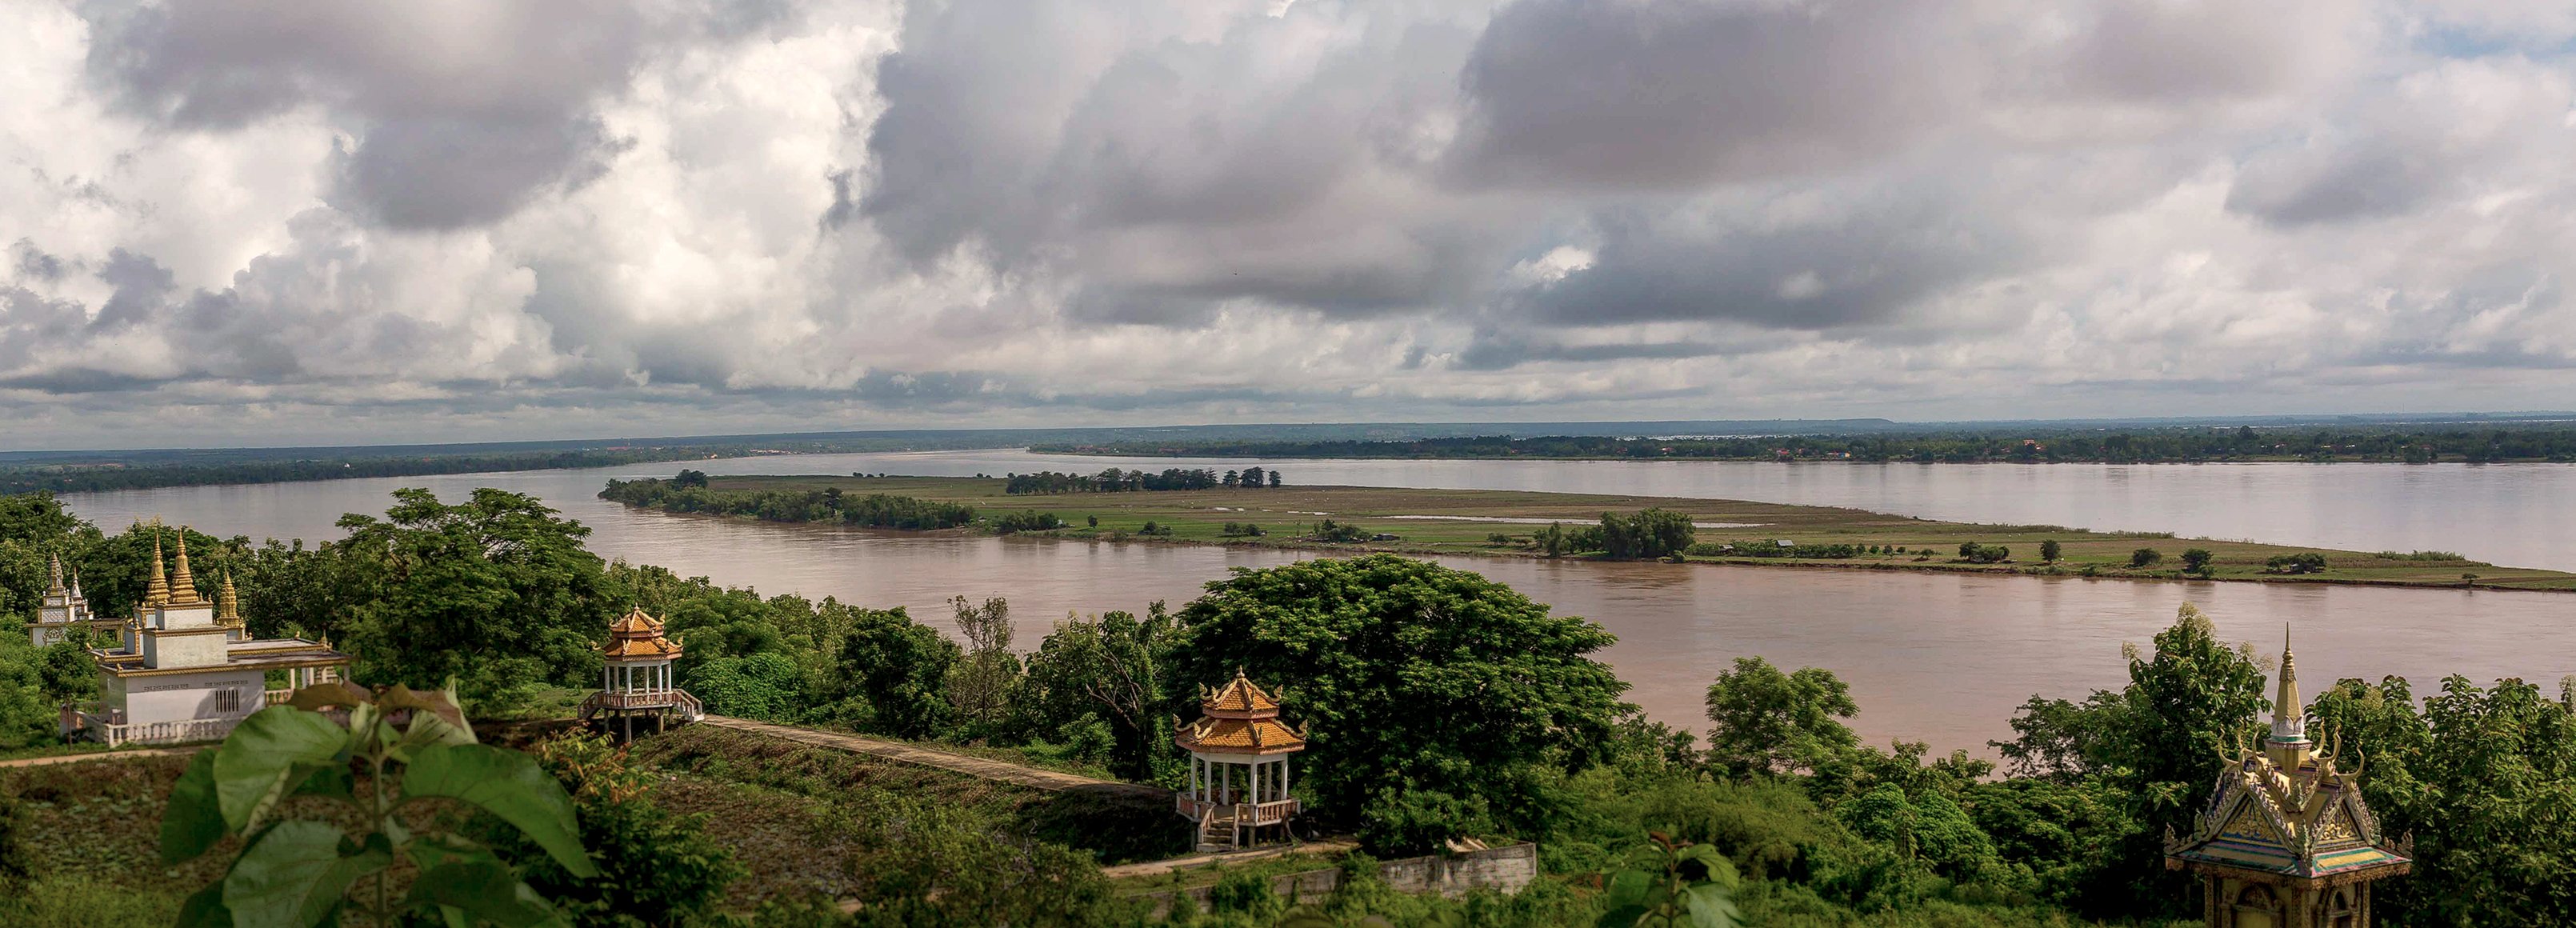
(892, 673)
(2157, 744)
(1763, 721)
(1432, 697)
(496, 592)
(1106, 670)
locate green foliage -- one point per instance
(1410, 678)
(1646, 535)
(1763, 721)
(1675, 884)
(1335, 532)
(1023, 521)
(2050, 550)
(308, 870)
(873, 511)
(892, 676)
(2196, 560)
(1975, 553)
(1108, 671)
(765, 686)
(2304, 562)
(985, 681)
(495, 592)
(2145, 557)
(655, 868)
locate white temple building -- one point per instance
(64, 610)
(187, 669)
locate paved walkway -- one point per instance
(926, 757)
(1157, 867)
(97, 755)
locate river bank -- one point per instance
(1503, 523)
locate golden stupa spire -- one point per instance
(183, 585)
(2289, 715)
(228, 603)
(157, 592)
(54, 576)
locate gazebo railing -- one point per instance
(1248, 813)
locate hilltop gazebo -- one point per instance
(2286, 841)
(638, 677)
(1238, 767)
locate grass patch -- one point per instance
(1116, 826)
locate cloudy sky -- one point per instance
(258, 221)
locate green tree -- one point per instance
(2495, 844)
(2145, 557)
(1414, 681)
(317, 805)
(495, 592)
(985, 681)
(1107, 669)
(891, 676)
(1763, 721)
(1646, 535)
(2196, 560)
(2050, 550)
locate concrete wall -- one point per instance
(1503, 869)
(179, 697)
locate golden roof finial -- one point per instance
(157, 591)
(183, 585)
(228, 603)
(54, 575)
(2289, 715)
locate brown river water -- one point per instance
(1935, 657)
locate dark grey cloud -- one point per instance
(32, 263)
(1677, 93)
(2367, 179)
(142, 285)
(461, 111)
(1855, 257)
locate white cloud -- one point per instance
(703, 215)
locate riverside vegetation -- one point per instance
(1518, 523)
(1439, 704)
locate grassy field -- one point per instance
(1465, 522)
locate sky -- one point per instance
(263, 221)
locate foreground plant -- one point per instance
(367, 759)
(1676, 884)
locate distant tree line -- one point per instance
(2132, 446)
(82, 478)
(876, 510)
(1115, 480)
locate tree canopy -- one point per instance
(1428, 693)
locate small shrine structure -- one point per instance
(1238, 790)
(186, 668)
(2286, 841)
(63, 610)
(638, 679)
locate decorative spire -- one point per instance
(54, 576)
(183, 585)
(2289, 715)
(157, 592)
(227, 603)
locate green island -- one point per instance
(1510, 523)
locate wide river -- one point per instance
(1936, 657)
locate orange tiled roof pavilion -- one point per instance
(1238, 765)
